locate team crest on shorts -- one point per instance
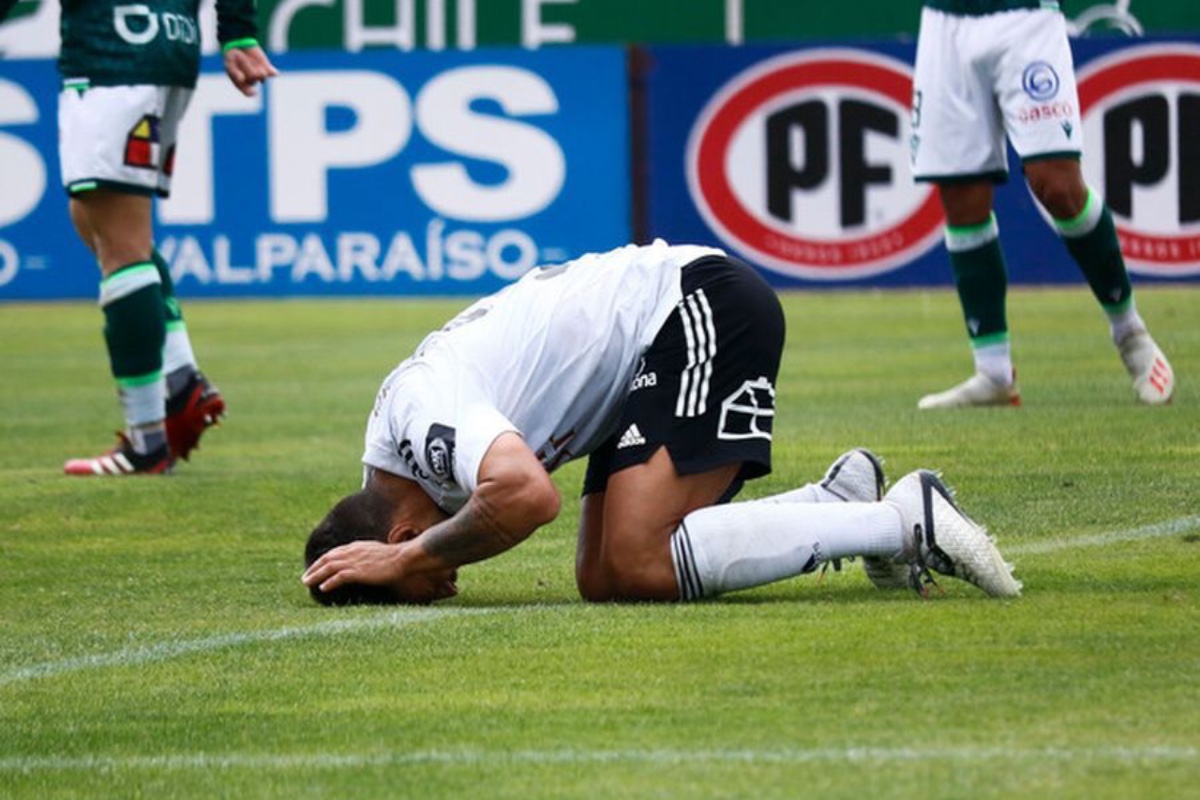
(1040, 81)
(749, 412)
(143, 144)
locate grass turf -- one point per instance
(155, 639)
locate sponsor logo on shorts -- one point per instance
(1042, 112)
(1141, 115)
(142, 144)
(643, 379)
(800, 164)
(1040, 81)
(632, 437)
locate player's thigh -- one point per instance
(119, 226)
(956, 125)
(625, 531)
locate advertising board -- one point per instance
(377, 173)
(797, 159)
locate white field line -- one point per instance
(171, 649)
(1168, 528)
(475, 757)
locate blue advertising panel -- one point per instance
(797, 159)
(370, 173)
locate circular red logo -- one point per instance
(1141, 114)
(801, 163)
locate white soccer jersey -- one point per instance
(550, 357)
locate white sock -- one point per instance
(740, 545)
(177, 352)
(995, 361)
(144, 404)
(1124, 322)
(808, 493)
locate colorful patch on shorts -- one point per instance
(142, 144)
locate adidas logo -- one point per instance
(632, 437)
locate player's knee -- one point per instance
(1060, 191)
(627, 576)
(592, 584)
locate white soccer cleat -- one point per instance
(977, 390)
(1153, 378)
(856, 476)
(945, 539)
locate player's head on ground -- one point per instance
(388, 510)
(364, 515)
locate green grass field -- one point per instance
(155, 640)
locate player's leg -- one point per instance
(134, 331)
(964, 154)
(1041, 78)
(1086, 226)
(105, 135)
(981, 280)
(193, 403)
(654, 534)
(625, 531)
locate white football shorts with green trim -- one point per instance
(979, 79)
(119, 137)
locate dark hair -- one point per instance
(362, 515)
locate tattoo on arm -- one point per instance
(470, 535)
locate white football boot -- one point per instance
(946, 540)
(977, 390)
(857, 477)
(1153, 378)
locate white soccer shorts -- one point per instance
(980, 79)
(119, 137)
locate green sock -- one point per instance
(1091, 239)
(135, 331)
(981, 278)
(170, 301)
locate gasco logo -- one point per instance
(801, 163)
(1141, 117)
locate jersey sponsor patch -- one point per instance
(439, 451)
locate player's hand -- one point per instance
(378, 564)
(247, 67)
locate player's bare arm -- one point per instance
(514, 497)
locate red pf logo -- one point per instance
(800, 163)
(1141, 121)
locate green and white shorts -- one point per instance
(980, 79)
(119, 137)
